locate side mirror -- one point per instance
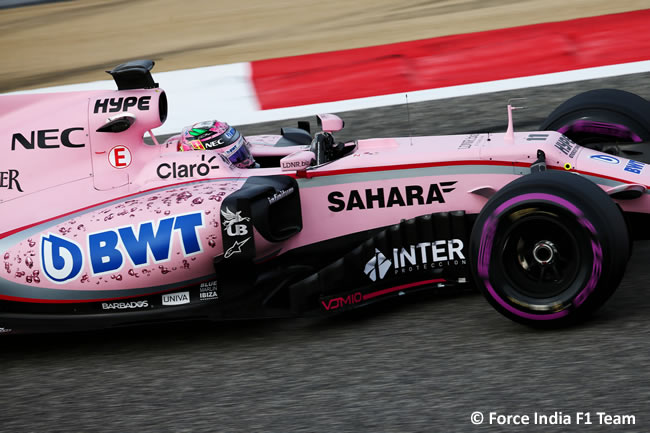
(330, 122)
(297, 161)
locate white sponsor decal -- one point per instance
(208, 291)
(377, 267)
(178, 298)
(424, 255)
(5, 330)
(124, 305)
(231, 223)
(236, 248)
(280, 195)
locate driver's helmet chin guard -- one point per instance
(219, 136)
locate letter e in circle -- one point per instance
(119, 157)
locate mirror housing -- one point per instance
(330, 122)
(297, 161)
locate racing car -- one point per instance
(101, 227)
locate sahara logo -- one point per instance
(63, 259)
(409, 195)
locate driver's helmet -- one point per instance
(219, 136)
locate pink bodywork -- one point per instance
(61, 177)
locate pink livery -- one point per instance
(102, 227)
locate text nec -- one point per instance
(63, 260)
(114, 105)
(50, 139)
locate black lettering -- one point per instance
(203, 169)
(355, 200)
(116, 105)
(143, 103)
(65, 138)
(13, 179)
(101, 103)
(129, 102)
(414, 192)
(182, 171)
(379, 198)
(435, 194)
(159, 172)
(564, 145)
(335, 197)
(395, 198)
(9, 180)
(43, 137)
(27, 144)
(192, 170)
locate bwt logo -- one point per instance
(63, 259)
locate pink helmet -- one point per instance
(219, 136)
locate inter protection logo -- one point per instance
(378, 266)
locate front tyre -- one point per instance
(603, 119)
(549, 248)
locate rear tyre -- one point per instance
(548, 249)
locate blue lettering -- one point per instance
(136, 246)
(634, 166)
(104, 255)
(188, 224)
(61, 259)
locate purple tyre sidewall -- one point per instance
(487, 242)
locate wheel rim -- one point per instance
(545, 257)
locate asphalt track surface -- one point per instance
(417, 365)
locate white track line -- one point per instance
(226, 92)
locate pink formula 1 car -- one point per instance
(101, 229)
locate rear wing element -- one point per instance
(134, 75)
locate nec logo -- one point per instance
(114, 105)
(50, 139)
